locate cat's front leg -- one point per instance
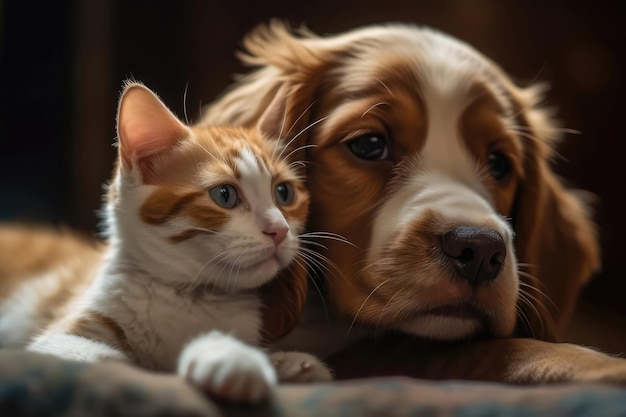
(73, 347)
(227, 368)
(300, 367)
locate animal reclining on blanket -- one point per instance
(198, 221)
(435, 167)
(429, 176)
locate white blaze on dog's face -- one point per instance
(426, 157)
(424, 145)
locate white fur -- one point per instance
(19, 316)
(445, 181)
(145, 286)
(78, 348)
(226, 367)
(445, 178)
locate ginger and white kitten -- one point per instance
(197, 219)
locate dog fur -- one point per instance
(409, 137)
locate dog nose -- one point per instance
(477, 252)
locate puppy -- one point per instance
(430, 170)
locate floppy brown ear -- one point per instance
(283, 300)
(556, 239)
(280, 58)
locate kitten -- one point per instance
(197, 220)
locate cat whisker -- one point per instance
(312, 243)
(233, 264)
(201, 229)
(284, 146)
(326, 264)
(297, 164)
(185, 103)
(300, 117)
(282, 123)
(303, 264)
(282, 128)
(280, 155)
(363, 304)
(214, 259)
(310, 259)
(329, 236)
(298, 149)
(321, 258)
(210, 154)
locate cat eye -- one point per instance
(499, 165)
(284, 194)
(370, 147)
(225, 195)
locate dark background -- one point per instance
(63, 63)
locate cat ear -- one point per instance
(272, 122)
(146, 130)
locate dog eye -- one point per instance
(499, 165)
(369, 147)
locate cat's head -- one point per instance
(204, 207)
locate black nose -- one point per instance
(477, 252)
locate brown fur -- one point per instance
(29, 252)
(359, 82)
(178, 196)
(516, 361)
(94, 325)
(181, 177)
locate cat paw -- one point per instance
(227, 368)
(300, 367)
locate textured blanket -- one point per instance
(38, 385)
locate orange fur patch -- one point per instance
(29, 253)
(207, 160)
(96, 326)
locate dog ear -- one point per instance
(278, 98)
(280, 58)
(284, 296)
(283, 299)
(556, 239)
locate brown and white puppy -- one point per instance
(435, 167)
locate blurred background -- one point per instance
(62, 64)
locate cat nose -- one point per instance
(278, 232)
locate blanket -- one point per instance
(40, 385)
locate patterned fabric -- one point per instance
(38, 385)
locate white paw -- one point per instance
(300, 367)
(226, 368)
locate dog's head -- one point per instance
(426, 157)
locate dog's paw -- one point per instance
(226, 368)
(300, 367)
